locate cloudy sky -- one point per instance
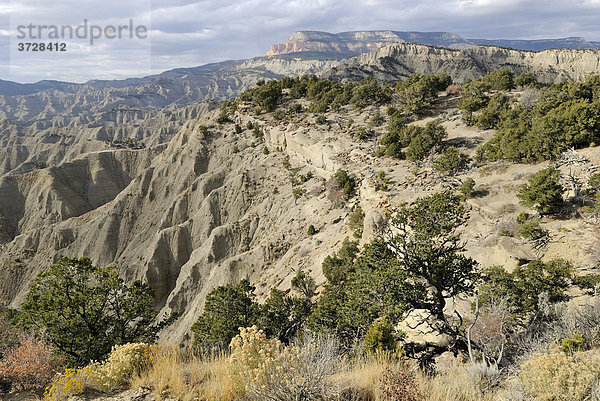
(184, 33)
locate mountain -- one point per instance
(140, 173)
(351, 43)
(344, 44)
(540, 44)
(397, 61)
(8, 88)
(60, 122)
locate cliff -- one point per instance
(352, 43)
(400, 60)
(344, 44)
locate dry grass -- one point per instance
(184, 376)
(365, 376)
(455, 384)
(316, 367)
(174, 375)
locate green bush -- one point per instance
(356, 222)
(321, 120)
(505, 233)
(422, 259)
(381, 336)
(467, 188)
(491, 115)
(474, 97)
(522, 217)
(337, 266)
(565, 115)
(590, 283)
(362, 134)
(429, 137)
(348, 307)
(593, 185)
(531, 230)
(279, 114)
(304, 284)
(370, 92)
(229, 307)
(298, 193)
(226, 309)
(223, 117)
(258, 132)
(327, 95)
(377, 119)
(525, 79)
(572, 344)
(418, 91)
(281, 316)
(344, 181)
(501, 80)
(266, 95)
(381, 183)
(85, 310)
(523, 286)
(543, 192)
(451, 161)
(311, 230)
(306, 177)
(394, 139)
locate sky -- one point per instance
(186, 33)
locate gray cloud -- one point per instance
(193, 32)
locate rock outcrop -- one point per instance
(184, 217)
(344, 44)
(400, 60)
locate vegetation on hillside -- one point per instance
(82, 327)
(84, 310)
(564, 115)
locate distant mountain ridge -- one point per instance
(319, 49)
(346, 44)
(9, 88)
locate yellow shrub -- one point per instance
(123, 363)
(71, 382)
(269, 371)
(557, 376)
(252, 353)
